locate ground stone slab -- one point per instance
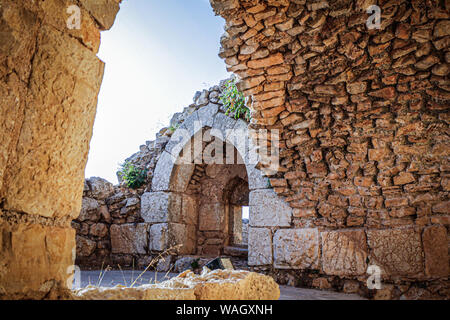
(212, 285)
(296, 248)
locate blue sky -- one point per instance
(157, 55)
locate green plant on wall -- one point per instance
(234, 101)
(133, 176)
(174, 128)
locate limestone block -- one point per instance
(35, 260)
(211, 217)
(206, 114)
(184, 263)
(240, 139)
(100, 188)
(182, 136)
(85, 246)
(212, 285)
(129, 238)
(296, 248)
(344, 253)
(163, 172)
(259, 246)
(255, 178)
(223, 125)
(396, 251)
(184, 235)
(165, 236)
(181, 176)
(89, 210)
(158, 207)
(47, 173)
(18, 48)
(189, 210)
(159, 237)
(435, 246)
(267, 209)
(57, 16)
(103, 11)
(164, 264)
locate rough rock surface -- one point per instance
(363, 117)
(260, 246)
(344, 252)
(49, 81)
(212, 285)
(396, 251)
(129, 238)
(296, 248)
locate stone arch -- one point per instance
(167, 205)
(209, 117)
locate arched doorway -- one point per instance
(200, 185)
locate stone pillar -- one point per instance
(49, 81)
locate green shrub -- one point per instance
(234, 101)
(133, 176)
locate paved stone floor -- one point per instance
(126, 277)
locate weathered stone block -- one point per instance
(164, 236)
(52, 157)
(159, 238)
(85, 246)
(99, 230)
(396, 251)
(267, 209)
(104, 11)
(189, 210)
(296, 248)
(223, 125)
(158, 207)
(181, 175)
(214, 285)
(100, 188)
(35, 260)
(89, 210)
(206, 114)
(163, 172)
(182, 136)
(435, 246)
(344, 253)
(129, 238)
(211, 217)
(259, 246)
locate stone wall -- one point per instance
(364, 116)
(49, 80)
(113, 230)
(364, 147)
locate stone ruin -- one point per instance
(363, 115)
(200, 206)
